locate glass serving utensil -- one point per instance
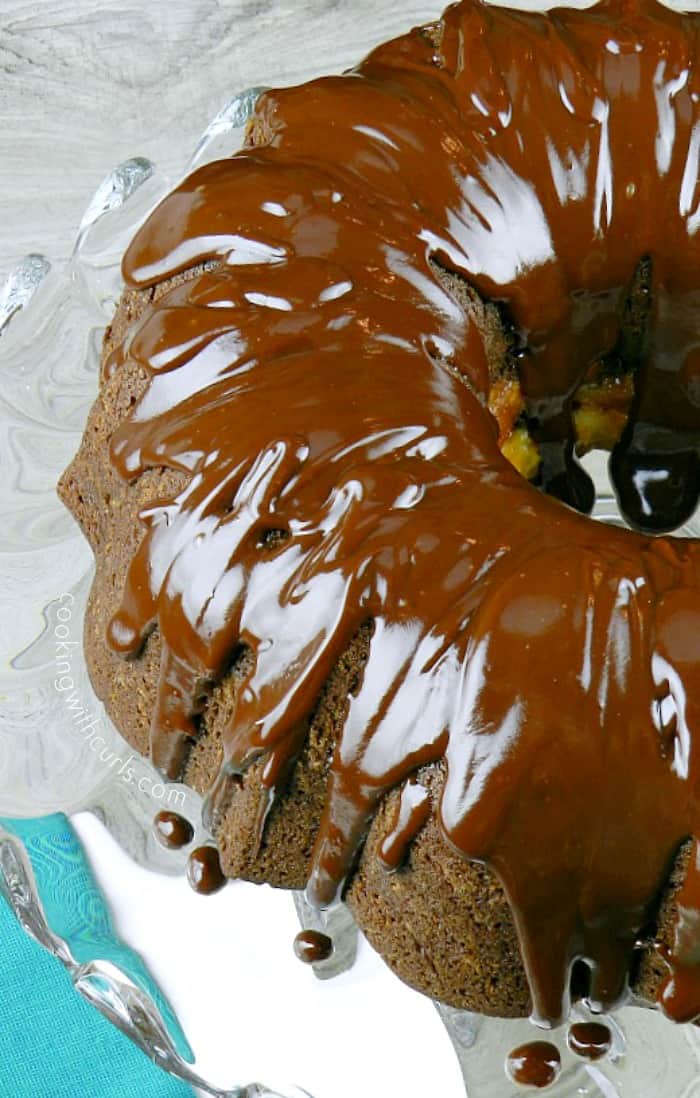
(51, 325)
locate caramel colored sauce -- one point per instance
(534, 1065)
(310, 947)
(315, 376)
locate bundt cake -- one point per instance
(347, 585)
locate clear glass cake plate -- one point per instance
(51, 326)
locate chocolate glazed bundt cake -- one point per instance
(346, 583)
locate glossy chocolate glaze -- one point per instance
(590, 1040)
(413, 812)
(534, 1065)
(204, 871)
(310, 947)
(317, 378)
(173, 830)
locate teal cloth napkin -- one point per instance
(53, 1044)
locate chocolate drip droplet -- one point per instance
(657, 486)
(173, 830)
(534, 1065)
(590, 1040)
(563, 478)
(310, 947)
(204, 870)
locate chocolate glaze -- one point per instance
(310, 947)
(204, 871)
(173, 830)
(316, 377)
(590, 1040)
(413, 812)
(534, 1065)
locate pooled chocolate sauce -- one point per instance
(534, 1065)
(310, 947)
(173, 830)
(204, 871)
(590, 1040)
(315, 376)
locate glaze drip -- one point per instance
(312, 947)
(173, 830)
(536, 1064)
(413, 812)
(590, 1040)
(316, 376)
(204, 870)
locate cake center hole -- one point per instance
(631, 374)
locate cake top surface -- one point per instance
(324, 395)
